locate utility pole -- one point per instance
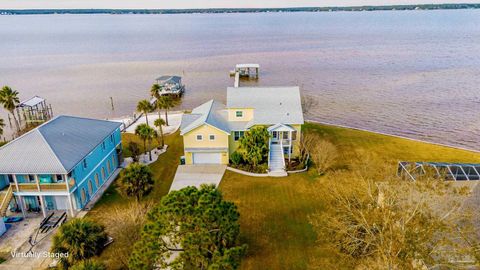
(111, 102)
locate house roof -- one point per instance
(55, 147)
(272, 105)
(247, 66)
(31, 102)
(211, 112)
(169, 79)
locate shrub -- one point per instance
(323, 155)
(134, 150)
(254, 145)
(136, 181)
(89, 265)
(236, 158)
(81, 239)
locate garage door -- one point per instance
(207, 158)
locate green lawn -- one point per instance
(274, 211)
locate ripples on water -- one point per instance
(409, 73)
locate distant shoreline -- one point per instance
(238, 10)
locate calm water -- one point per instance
(410, 73)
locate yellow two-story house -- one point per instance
(213, 130)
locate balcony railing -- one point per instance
(43, 187)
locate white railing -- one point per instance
(283, 156)
(269, 152)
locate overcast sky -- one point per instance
(160, 4)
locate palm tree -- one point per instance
(159, 123)
(9, 99)
(145, 107)
(136, 181)
(146, 133)
(2, 125)
(155, 92)
(81, 238)
(166, 102)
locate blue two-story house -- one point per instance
(60, 165)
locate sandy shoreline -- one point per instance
(174, 121)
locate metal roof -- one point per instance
(31, 102)
(55, 147)
(211, 112)
(272, 105)
(169, 79)
(247, 66)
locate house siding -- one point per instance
(190, 141)
(248, 114)
(98, 160)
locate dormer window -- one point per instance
(239, 114)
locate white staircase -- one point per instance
(276, 163)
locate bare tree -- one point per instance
(309, 102)
(125, 224)
(393, 224)
(323, 154)
(305, 144)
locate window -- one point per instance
(10, 178)
(199, 137)
(275, 134)
(97, 180)
(31, 178)
(90, 187)
(285, 135)
(103, 174)
(109, 167)
(294, 135)
(237, 135)
(111, 138)
(212, 137)
(103, 145)
(85, 163)
(113, 161)
(84, 196)
(239, 113)
(59, 177)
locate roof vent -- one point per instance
(288, 114)
(280, 103)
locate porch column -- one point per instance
(21, 202)
(289, 145)
(19, 198)
(70, 204)
(42, 205)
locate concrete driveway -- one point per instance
(195, 175)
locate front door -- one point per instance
(275, 137)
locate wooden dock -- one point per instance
(245, 70)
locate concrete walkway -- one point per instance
(195, 175)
